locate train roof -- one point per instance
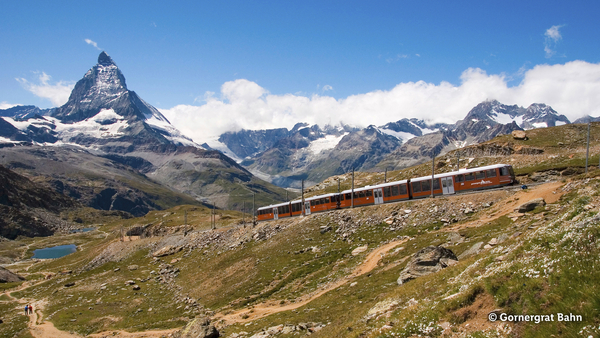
(460, 172)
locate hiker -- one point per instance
(26, 309)
(30, 309)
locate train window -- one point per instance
(369, 193)
(470, 177)
(324, 200)
(459, 178)
(480, 175)
(355, 195)
(426, 185)
(403, 189)
(312, 203)
(436, 184)
(503, 171)
(386, 192)
(490, 173)
(416, 186)
(348, 196)
(361, 194)
(395, 190)
(341, 197)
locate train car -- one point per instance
(321, 203)
(281, 210)
(368, 195)
(463, 180)
(395, 191)
(483, 177)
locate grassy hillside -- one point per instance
(294, 276)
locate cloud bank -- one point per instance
(57, 93)
(570, 88)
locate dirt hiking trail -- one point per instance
(271, 307)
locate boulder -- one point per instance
(359, 250)
(473, 250)
(519, 135)
(6, 276)
(200, 327)
(427, 261)
(166, 250)
(529, 206)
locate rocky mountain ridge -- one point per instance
(310, 153)
(104, 118)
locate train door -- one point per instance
(307, 208)
(447, 185)
(275, 215)
(378, 195)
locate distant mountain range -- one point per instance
(107, 137)
(312, 153)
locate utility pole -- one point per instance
(244, 214)
(587, 151)
(338, 184)
(253, 208)
(185, 217)
(432, 173)
(385, 177)
(303, 207)
(214, 216)
(352, 196)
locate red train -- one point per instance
(443, 184)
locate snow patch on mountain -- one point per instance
(215, 144)
(160, 124)
(506, 118)
(539, 125)
(402, 136)
(325, 143)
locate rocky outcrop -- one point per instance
(28, 208)
(7, 276)
(200, 327)
(427, 261)
(531, 205)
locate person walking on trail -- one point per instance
(30, 309)
(26, 309)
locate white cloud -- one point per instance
(6, 105)
(327, 88)
(552, 37)
(90, 42)
(57, 93)
(569, 88)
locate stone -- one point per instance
(359, 250)
(136, 287)
(133, 267)
(325, 229)
(519, 135)
(473, 250)
(531, 205)
(493, 241)
(68, 285)
(426, 261)
(199, 327)
(166, 251)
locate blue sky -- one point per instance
(183, 56)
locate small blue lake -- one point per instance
(54, 252)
